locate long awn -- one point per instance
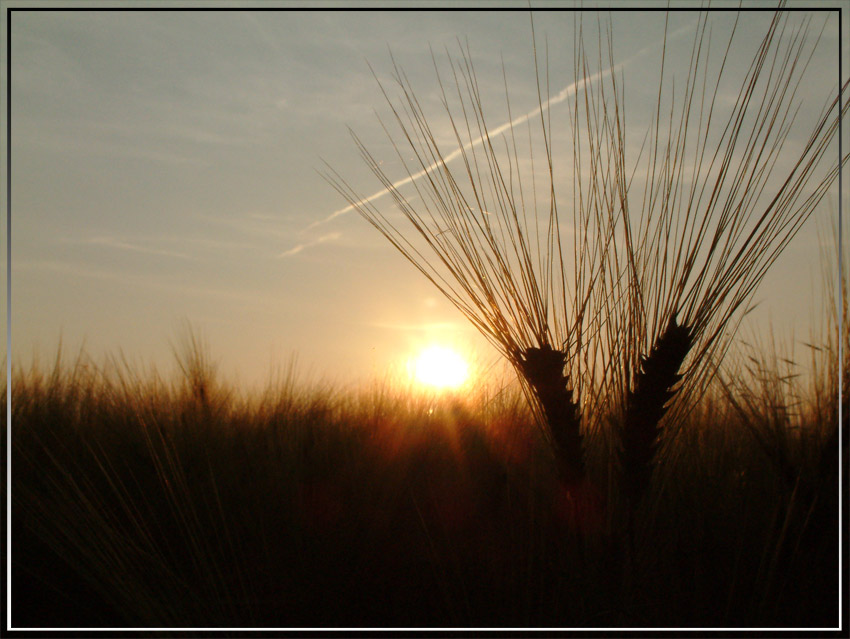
(636, 313)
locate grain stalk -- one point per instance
(716, 210)
(485, 247)
(654, 389)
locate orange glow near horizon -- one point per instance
(440, 367)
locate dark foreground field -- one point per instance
(146, 503)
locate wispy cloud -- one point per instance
(212, 244)
(135, 280)
(116, 243)
(321, 240)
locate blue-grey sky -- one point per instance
(164, 168)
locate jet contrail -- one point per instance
(560, 97)
(565, 93)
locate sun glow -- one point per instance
(440, 367)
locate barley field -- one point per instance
(650, 458)
(145, 502)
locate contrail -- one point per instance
(560, 97)
(565, 93)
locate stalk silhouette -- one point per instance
(717, 208)
(543, 369)
(489, 252)
(647, 402)
(629, 323)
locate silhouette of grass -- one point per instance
(302, 506)
(142, 501)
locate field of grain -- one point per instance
(645, 464)
(145, 502)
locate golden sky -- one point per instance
(165, 168)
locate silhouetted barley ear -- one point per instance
(487, 233)
(647, 401)
(724, 192)
(543, 369)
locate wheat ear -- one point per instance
(543, 369)
(647, 402)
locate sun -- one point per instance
(440, 367)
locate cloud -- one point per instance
(112, 242)
(300, 247)
(135, 281)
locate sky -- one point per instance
(166, 169)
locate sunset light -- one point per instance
(520, 316)
(440, 367)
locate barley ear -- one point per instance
(646, 404)
(543, 369)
